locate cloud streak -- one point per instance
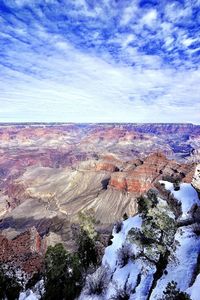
(99, 61)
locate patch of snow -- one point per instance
(35, 293)
(28, 296)
(110, 256)
(181, 269)
(194, 290)
(187, 195)
(129, 275)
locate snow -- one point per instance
(181, 269)
(130, 272)
(35, 293)
(110, 256)
(194, 290)
(31, 296)
(187, 195)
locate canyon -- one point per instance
(49, 173)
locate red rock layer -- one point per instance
(26, 251)
(142, 177)
(106, 166)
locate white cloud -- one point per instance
(149, 18)
(188, 41)
(104, 73)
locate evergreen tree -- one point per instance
(62, 274)
(86, 237)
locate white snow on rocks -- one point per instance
(194, 290)
(35, 293)
(181, 268)
(110, 256)
(187, 195)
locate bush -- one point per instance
(195, 212)
(125, 216)
(87, 223)
(155, 239)
(87, 249)
(173, 293)
(122, 294)
(196, 228)
(86, 239)
(118, 226)
(174, 205)
(97, 283)
(147, 202)
(62, 275)
(124, 254)
(176, 185)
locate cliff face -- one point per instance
(143, 176)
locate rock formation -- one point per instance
(24, 252)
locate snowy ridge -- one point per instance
(138, 274)
(180, 271)
(110, 256)
(187, 195)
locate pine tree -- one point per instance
(62, 274)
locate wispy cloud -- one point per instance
(96, 61)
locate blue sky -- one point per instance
(100, 61)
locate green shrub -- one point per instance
(63, 278)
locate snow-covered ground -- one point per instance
(138, 273)
(182, 267)
(187, 195)
(130, 272)
(110, 256)
(35, 293)
(194, 290)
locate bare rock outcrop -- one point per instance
(143, 176)
(25, 251)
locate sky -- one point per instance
(99, 61)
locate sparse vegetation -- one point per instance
(118, 226)
(173, 293)
(124, 254)
(122, 293)
(97, 283)
(86, 238)
(156, 236)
